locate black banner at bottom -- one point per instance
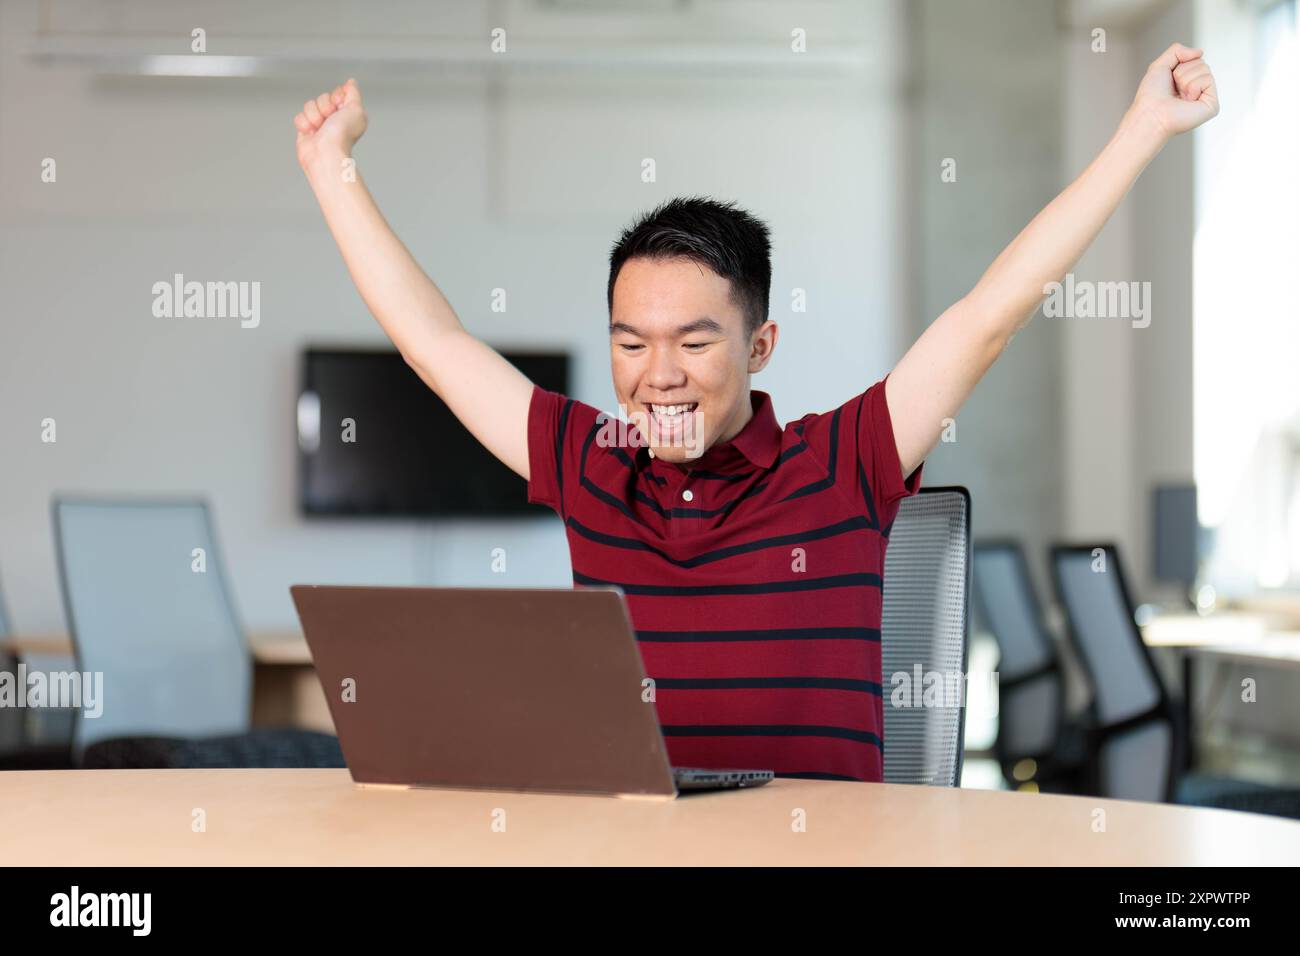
(944, 905)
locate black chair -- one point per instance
(1136, 741)
(1139, 738)
(260, 747)
(1037, 744)
(1203, 791)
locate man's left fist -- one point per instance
(1178, 91)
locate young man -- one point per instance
(751, 554)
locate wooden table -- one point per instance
(1241, 635)
(291, 817)
(1252, 637)
(286, 692)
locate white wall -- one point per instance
(1164, 210)
(1097, 357)
(521, 182)
(1128, 391)
(988, 97)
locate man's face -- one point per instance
(680, 357)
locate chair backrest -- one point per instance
(1135, 728)
(148, 609)
(925, 626)
(1031, 688)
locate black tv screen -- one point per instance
(373, 439)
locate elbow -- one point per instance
(991, 327)
(421, 368)
(997, 339)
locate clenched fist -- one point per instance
(330, 124)
(1178, 91)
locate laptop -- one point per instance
(495, 689)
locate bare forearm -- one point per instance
(939, 372)
(936, 375)
(484, 390)
(1011, 288)
(401, 297)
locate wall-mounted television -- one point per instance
(373, 439)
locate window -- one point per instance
(1247, 300)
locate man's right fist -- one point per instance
(331, 123)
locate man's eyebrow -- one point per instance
(703, 324)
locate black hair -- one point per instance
(721, 236)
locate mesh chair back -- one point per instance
(1101, 621)
(1004, 599)
(1134, 716)
(924, 631)
(151, 613)
(1031, 691)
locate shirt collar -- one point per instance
(760, 439)
(759, 442)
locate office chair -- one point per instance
(925, 622)
(1139, 739)
(1136, 740)
(148, 608)
(1037, 742)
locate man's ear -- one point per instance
(761, 345)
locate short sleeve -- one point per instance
(878, 450)
(546, 413)
(855, 443)
(561, 433)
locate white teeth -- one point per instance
(670, 410)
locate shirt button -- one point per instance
(688, 495)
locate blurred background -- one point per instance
(893, 147)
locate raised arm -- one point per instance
(938, 373)
(488, 394)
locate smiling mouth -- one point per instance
(672, 411)
(670, 418)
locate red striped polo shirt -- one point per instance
(756, 598)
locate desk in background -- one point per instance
(1233, 643)
(1249, 637)
(286, 692)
